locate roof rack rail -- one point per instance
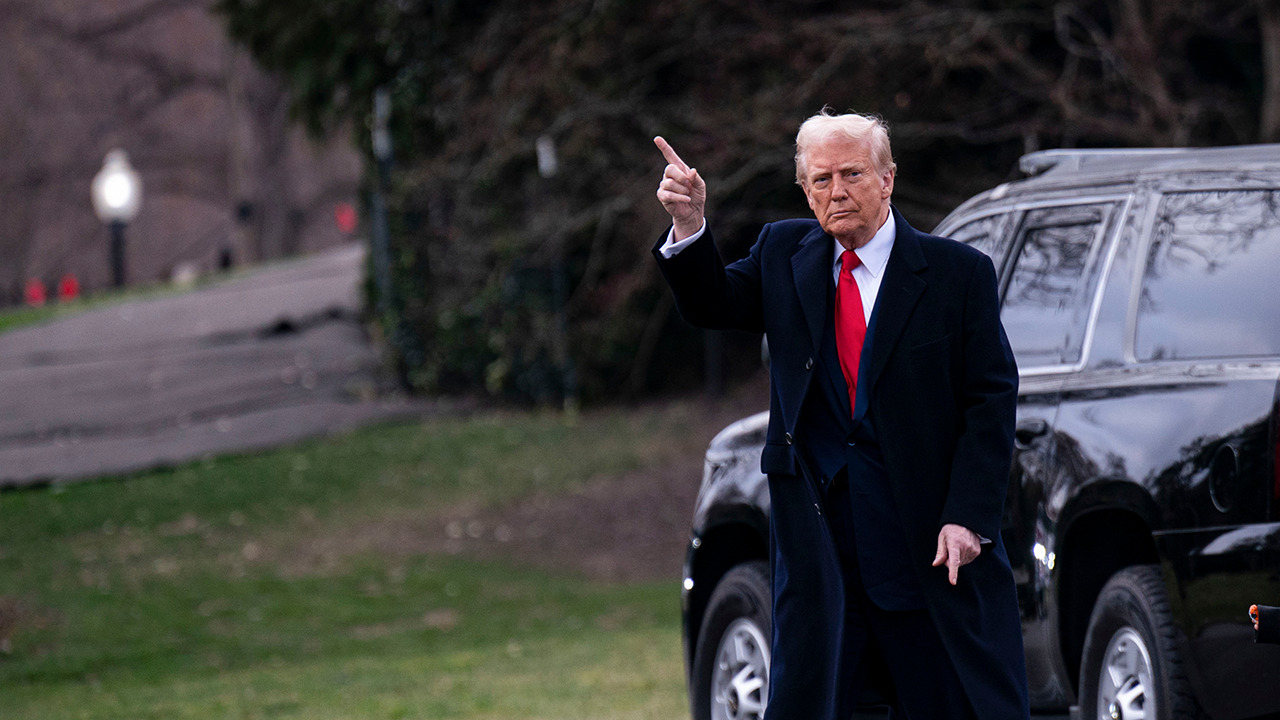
(1042, 161)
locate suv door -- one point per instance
(1050, 257)
(1164, 478)
(1206, 332)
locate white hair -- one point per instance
(852, 126)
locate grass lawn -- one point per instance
(195, 592)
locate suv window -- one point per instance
(988, 235)
(1210, 284)
(1046, 302)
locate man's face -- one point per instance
(847, 195)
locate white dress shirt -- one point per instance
(874, 256)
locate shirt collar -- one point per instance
(875, 254)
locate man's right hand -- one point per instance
(682, 192)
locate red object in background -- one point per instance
(35, 293)
(68, 288)
(345, 216)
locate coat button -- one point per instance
(808, 364)
(815, 507)
(789, 438)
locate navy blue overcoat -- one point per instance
(941, 385)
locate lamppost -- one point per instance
(548, 168)
(117, 194)
(380, 234)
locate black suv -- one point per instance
(1141, 293)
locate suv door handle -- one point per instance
(1027, 431)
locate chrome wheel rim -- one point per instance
(740, 679)
(1125, 686)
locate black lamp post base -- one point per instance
(117, 252)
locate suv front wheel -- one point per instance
(1130, 667)
(731, 662)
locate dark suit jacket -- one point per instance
(940, 382)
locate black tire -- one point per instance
(735, 636)
(1131, 666)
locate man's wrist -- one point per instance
(673, 246)
(686, 228)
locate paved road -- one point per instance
(268, 357)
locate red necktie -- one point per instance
(851, 325)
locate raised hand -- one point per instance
(682, 192)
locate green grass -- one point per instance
(396, 468)
(431, 639)
(177, 594)
(547, 680)
(14, 318)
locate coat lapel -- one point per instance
(811, 268)
(899, 292)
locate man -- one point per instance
(893, 392)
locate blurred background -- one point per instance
(226, 172)
(389, 410)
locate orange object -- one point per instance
(1266, 624)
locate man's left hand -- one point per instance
(957, 546)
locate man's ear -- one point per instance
(888, 183)
(808, 197)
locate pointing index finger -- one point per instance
(669, 153)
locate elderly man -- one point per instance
(893, 392)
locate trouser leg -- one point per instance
(861, 674)
(897, 655)
(926, 683)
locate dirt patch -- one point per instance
(630, 527)
(614, 529)
(633, 527)
(8, 623)
(17, 617)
